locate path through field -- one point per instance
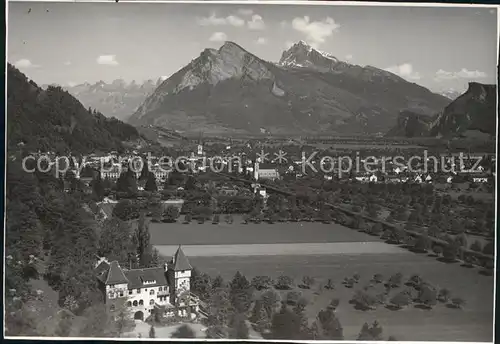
(302, 249)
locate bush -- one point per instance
(284, 282)
(171, 214)
(262, 282)
(428, 296)
(334, 303)
(415, 281)
(422, 243)
(476, 246)
(458, 302)
(364, 300)
(292, 297)
(443, 295)
(376, 229)
(438, 250)
(330, 285)
(307, 282)
(450, 252)
(489, 248)
(400, 300)
(378, 278)
(395, 280)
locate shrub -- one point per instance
(364, 299)
(330, 285)
(415, 281)
(458, 302)
(334, 303)
(489, 248)
(422, 243)
(450, 252)
(400, 300)
(476, 246)
(376, 229)
(428, 296)
(292, 297)
(443, 295)
(262, 282)
(284, 282)
(171, 214)
(438, 250)
(307, 282)
(395, 280)
(378, 278)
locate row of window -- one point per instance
(141, 302)
(138, 291)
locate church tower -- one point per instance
(200, 144)
(256, 170)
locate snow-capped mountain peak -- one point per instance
(302, 54)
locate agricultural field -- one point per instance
(263, 233)
(331, 251)
(472, 323)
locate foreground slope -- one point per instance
(231, 89)
(53, 120)
(471, 113)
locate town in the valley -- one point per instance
(244, 195)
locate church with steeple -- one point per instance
(166, 288)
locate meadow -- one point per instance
(473, 323)
(238, 233)
(331, 251)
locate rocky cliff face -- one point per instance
(302, 55)
(473, 111)
(411, 124)
(230, 89)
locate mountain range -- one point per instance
(116, 99)
(307, 91)
(451, 93)
(471, 114)
(51, 119)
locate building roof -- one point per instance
(266, 166)
(136, 277)
(115, 274)
(180, 261)
(107, 208)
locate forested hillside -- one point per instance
(54, 238)
(53, 120)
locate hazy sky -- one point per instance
(73, 42)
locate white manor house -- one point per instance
(143, 290)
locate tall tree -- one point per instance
(97, 188)
(151, 185)
(115, 241)
(144, 248)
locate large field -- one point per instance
(238, 233)
(473, 323)
(335, 252)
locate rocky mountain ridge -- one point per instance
(471, 113)
(231, 89)
(115, 99)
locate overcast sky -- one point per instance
(66, 43)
